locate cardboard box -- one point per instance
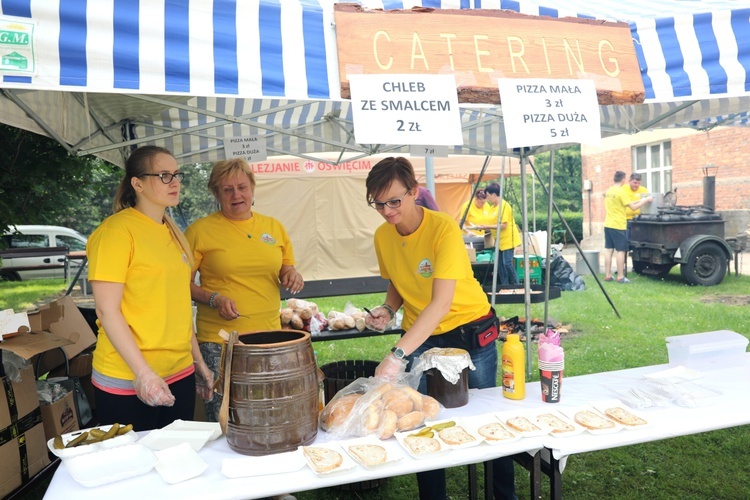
(472, 254)
(59, 417)
(23, 446)
(63, 319)
(80, 367)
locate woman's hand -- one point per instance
(226, 308)
(204, 381)
(152, 389)
(291, 280)
(391, 367)
(378, 319)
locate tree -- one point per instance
(40, 183)
(567, 181)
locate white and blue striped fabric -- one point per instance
(188, 73)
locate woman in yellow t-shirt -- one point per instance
(146, 365)
(242, 257)
(479, 214)
(422, 253)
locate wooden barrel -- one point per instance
(273, 404)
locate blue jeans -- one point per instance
(507, 268)
(432, 483)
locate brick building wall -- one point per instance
(725, 147)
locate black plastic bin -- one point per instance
(339, 375)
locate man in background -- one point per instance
(635, 192)
(616, 200)
(510, 236)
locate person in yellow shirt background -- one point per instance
(634, 192)
(480, 214)
(510, 236)
(616, 200)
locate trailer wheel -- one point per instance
(647, 268)
(706, 265)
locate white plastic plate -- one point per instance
(467, 425)
(85, 449)
(678, 373)
(476, 422)
(400, 436)
(189, 425)
(505, 416)
(278, 463)
(179, 463)
(346, 462)
(114, 464)
(571, 413)
(577, 429)
(160, 439)
(603, 405)
(392, 453)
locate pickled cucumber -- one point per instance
(58, 442)
(78, 440)
(443, 425)
(112, 432)
(97, 433)
(124, 429)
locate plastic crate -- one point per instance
(535, 268)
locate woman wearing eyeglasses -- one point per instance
(422, 253)
(147, 365)
(242, 257)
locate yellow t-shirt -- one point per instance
(132, 249)
(510, 237)
(615, 201)
(485, 216)
(240, 260)
(434, 250)
(633, 196)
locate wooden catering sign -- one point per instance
(481, 46)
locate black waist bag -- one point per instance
(477, 334)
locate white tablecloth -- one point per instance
(731, 407)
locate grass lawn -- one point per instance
(708, 465)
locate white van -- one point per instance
(39, 251)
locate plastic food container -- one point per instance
(724, 345)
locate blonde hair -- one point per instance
(138, 164)
(227, 168)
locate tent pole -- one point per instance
(496, 254)
(429, 173)
(533, 204)
(526, 279)
(578, 245)
(547, 267)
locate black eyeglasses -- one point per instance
(394, 203)
(166, 177)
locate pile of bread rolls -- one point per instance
(298, 314)
(343, 321)
(382, 410)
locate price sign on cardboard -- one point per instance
(537, 112)
(406, 109)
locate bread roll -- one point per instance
(410, 421)
(337, 411)
(388, 424)
(286, 315)
(398, 401)
(415, 396)
(430, 407)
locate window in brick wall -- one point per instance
(654, 163)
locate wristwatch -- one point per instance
(398, 352)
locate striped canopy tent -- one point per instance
(109, 74)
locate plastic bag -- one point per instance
(563, 276)
(374, 406)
